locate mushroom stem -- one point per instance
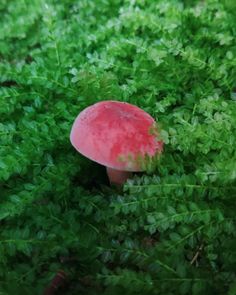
(118, 177)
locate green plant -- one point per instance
(172, 231)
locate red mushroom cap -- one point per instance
(115, 134)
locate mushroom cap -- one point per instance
(115, 134)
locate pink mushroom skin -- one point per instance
(110, 130)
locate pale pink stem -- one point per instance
(118, 177)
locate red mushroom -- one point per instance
(115, 134)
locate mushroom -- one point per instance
(117, 135)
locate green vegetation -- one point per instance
(169, 232)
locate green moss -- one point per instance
(171, 232)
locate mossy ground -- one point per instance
(169, 232)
